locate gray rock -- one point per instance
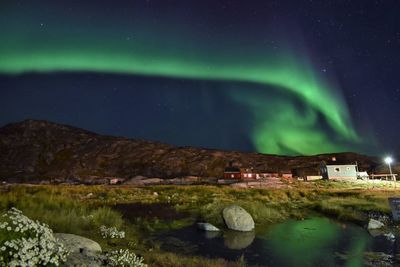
(390, 236)
(141, 181)
(238, 219)
(85, 259)
(83, 251)
(135, 180)
(374, 224)
(76, 243)
(373, 259)
(207, 227)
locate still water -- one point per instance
(311, 242)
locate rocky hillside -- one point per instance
(35, 150)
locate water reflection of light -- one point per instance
(305, 243)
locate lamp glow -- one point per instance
(388, 160)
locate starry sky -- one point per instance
(278, 77)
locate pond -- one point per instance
(306, 243)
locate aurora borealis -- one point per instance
(289, 76)
(262, 65)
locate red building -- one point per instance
(247, 173)
(232, 173)
(286, 174)
(242, 173)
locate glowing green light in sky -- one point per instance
(297, 135)
(154, 54)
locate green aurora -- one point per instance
(279, 128)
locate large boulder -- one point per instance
(238, 219)
(83, 251)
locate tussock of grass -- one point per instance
(337, 211)
(264, 213)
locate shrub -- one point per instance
(125, 258)
(24, 242)
(111, 232)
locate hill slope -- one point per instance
(39, 150)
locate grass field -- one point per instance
(83, 209)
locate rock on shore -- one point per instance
(83, 251)
(238, 219)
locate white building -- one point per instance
(340, 172)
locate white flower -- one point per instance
(34, 245)
(111, 232)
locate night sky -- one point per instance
(280, 77)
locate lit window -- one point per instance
(232, 176)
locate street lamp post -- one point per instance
(388, 161)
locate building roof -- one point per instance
(232, 169)
(338, 161)
(340, 165)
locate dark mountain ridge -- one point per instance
(35, 150)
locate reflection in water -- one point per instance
(309, 243)
(211, 234)
(315, 242)
(303, 243)
(356, 250)
(238, 240)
